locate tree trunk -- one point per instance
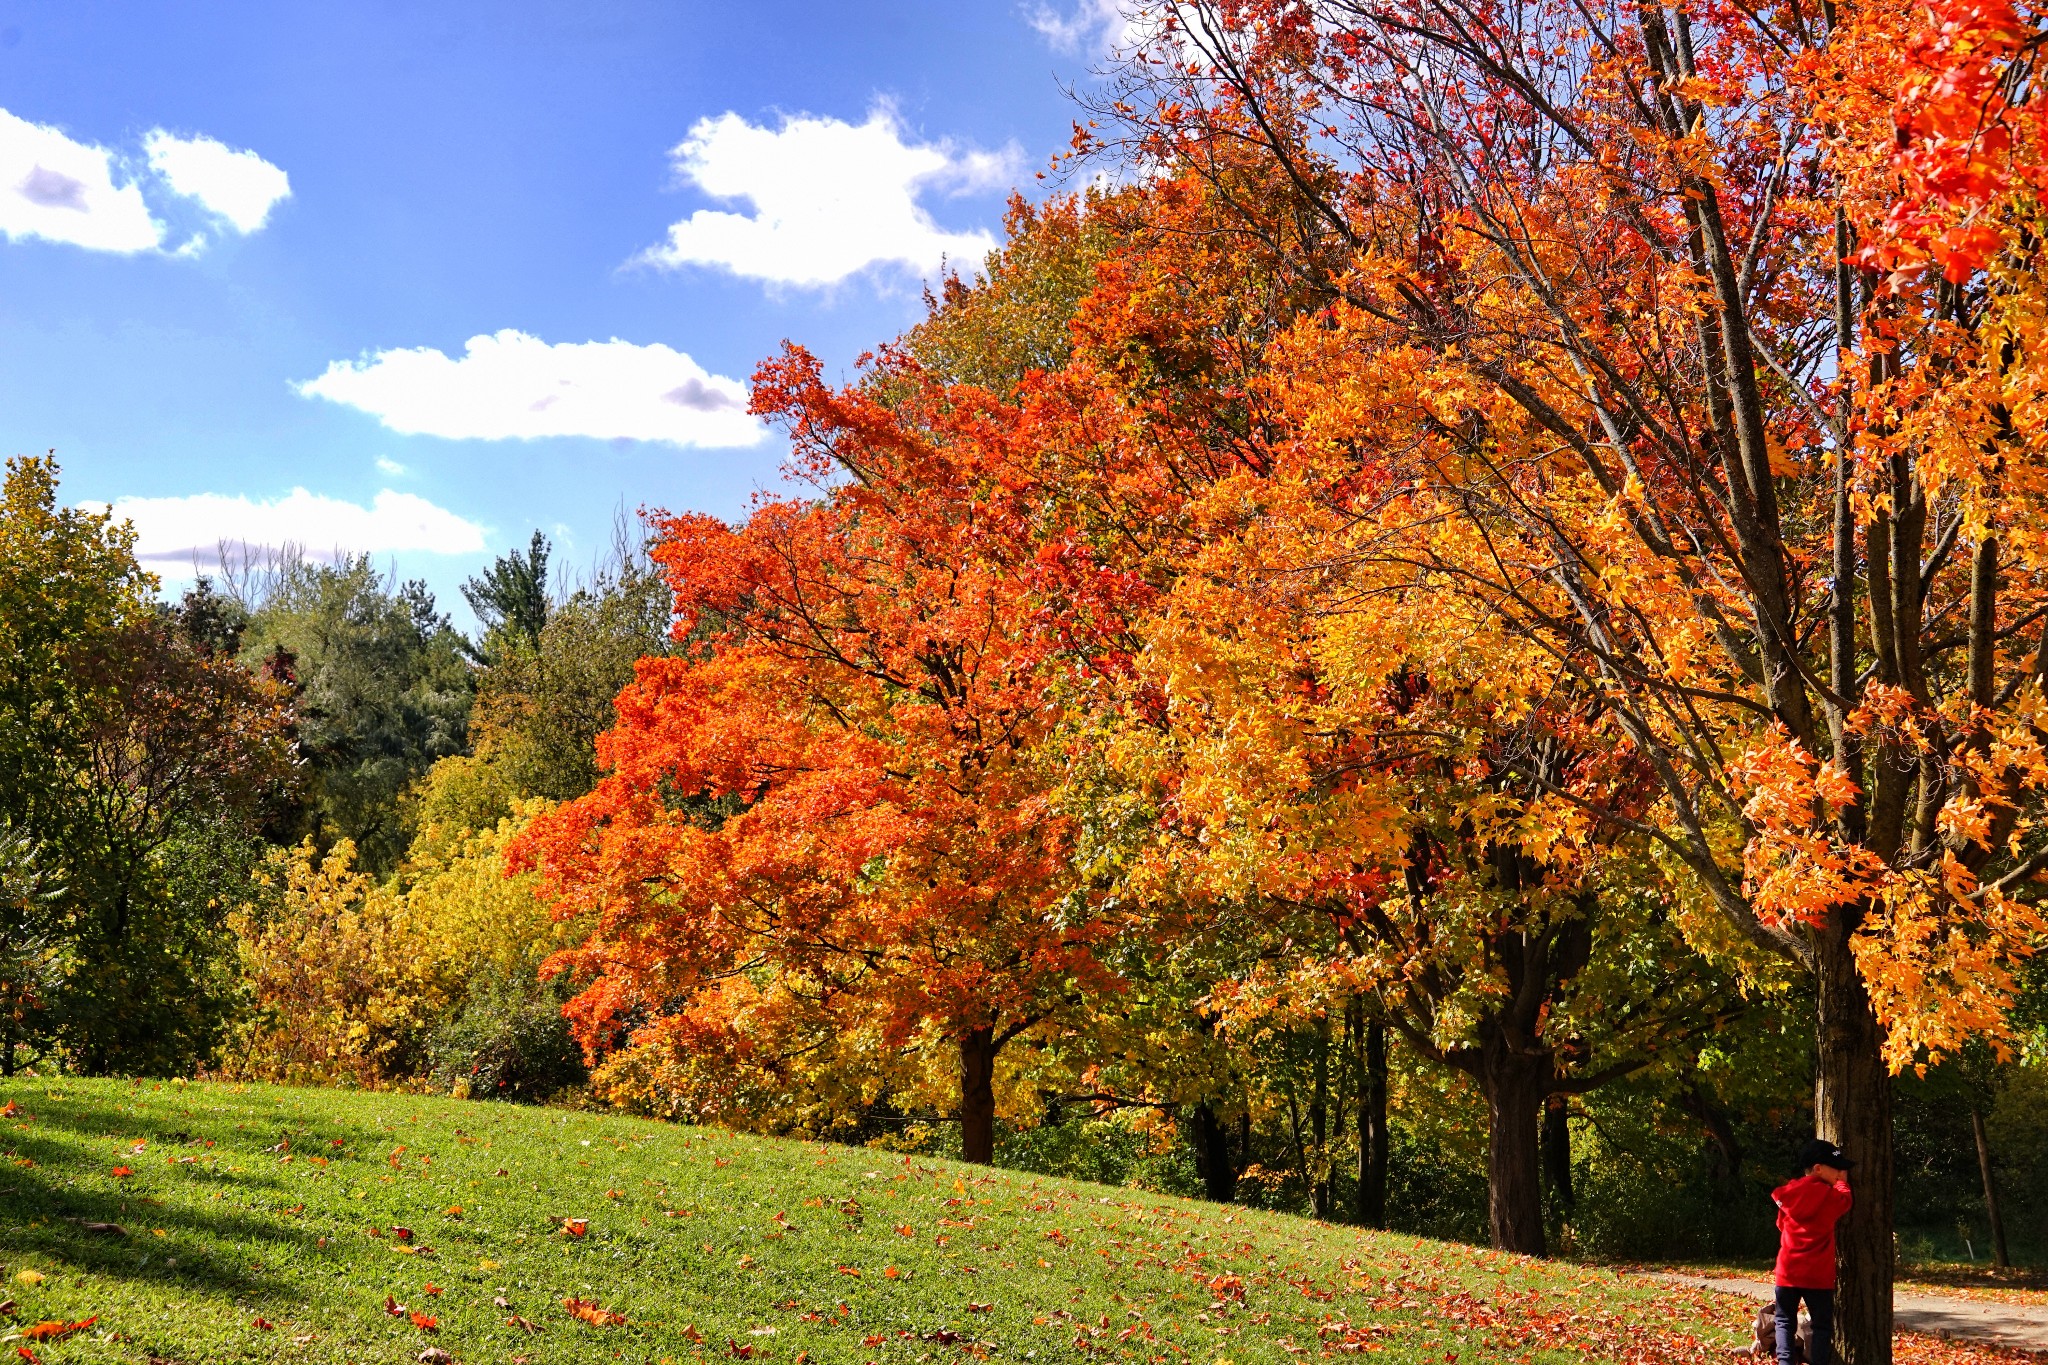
(1999, 1256)
(1318, 1173)
(1557, 1149)
(978, 1096)
(1515, 1088)
(1211, 1142)
(1371, 1201)
(1852, 1107)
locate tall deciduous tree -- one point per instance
(1776, 509)
(825, 835)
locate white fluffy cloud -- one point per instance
(174, 533)
(238, 186)
(511, 385)
(829, 199)
(63, 190)
(1088, 26)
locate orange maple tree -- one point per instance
(823, 857)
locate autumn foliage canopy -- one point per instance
(1516, 523)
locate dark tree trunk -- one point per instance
(1853, 1108)
(1318, 1172)
(1371, 1208)
(1727, 1152)
(978, 1096)
(1557, 1150)
(1999, 1255)
(1515, 1087)
(1211, 1141)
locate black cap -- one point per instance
(1818, 1152)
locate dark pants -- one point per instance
(1820, 1306)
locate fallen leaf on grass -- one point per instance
(29, 1277)
(425, 1322)
(58, 1330)
(264, 1325)
(981, 1308)
(30, 1356)
(586, 1311)
(502, 1302)
(393, 1308)
(122, 1173)
(402, 1234)
(431, 1290)
(6, 1308)
(521, 1323)
(434, 1355)
(733, 1348)
(576, 1227)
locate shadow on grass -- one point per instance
(63, 1187)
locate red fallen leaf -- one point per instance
(693, 1334)
(122, 1173)
(425, 1322)
(522, 1324)
(849, 1270)
(873, 1339)
(615, 1194)
(905, 1230)
(402, 1234)
(893, 1273)
(30, 1356)
(393, 1307)
(57, 1331)
(264, 1325)
(430, 1289)
(9, 1110)
(586, 1311)
(981, 1308)
(733, 1348)
(576, 1227)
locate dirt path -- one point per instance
(2021, 1325)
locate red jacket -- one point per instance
(1808, 1209)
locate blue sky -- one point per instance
(245, 247)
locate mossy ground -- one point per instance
(260, 1223)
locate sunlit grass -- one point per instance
(265, 1224)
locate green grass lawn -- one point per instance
(264, 1224)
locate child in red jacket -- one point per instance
(1808, 1209)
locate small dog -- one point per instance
(1765, 1346)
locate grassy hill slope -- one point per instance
(255, 1223)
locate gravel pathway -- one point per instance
(2021, 1325)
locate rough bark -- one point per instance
(1999, 1256)
(1557, 1150)
(1211, 1141)
(1515, 1087)
(978, 1096)
(1853, 1107)
(1370, 1207)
